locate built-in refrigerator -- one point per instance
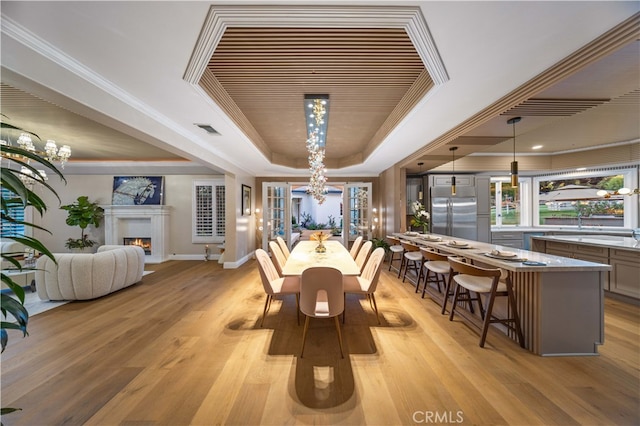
(454, 215)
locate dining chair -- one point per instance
(356, 247)
(395, 248)
(437, 269)
(485, 281)
(321, 296)
(283, 247)
(274, 285)
(278, 256)
(363, 254)
(367, 282)
(412, 260)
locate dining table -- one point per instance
(304, 256)
(560, 300)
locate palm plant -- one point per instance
(21, 196)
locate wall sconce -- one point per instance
(453, 169)
(514, 163)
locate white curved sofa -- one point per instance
(83, 276)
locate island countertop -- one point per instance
(608, 241)
(482, 252)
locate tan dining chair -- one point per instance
(363, 254)
(278, 257)
(367, 282)
(485, 281)
(396, 253)
(356, 247)
(283, 247)
(321, 296)
(437, 269)
(275, 285)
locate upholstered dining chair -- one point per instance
(283, 247)
(367, 282)
(485, 281)
(412, 261)
(356, 247)
(274, 285)
(278, 257)
(321, 296)
(363, 254)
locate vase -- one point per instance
(320, 248)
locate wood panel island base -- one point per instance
(560, 300)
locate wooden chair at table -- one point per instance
(321, 296)
(356, 247)
(278, 257)
(363, 254)
(395, 248)
(283, 247)
(448, 291)
(367, 282)
(274, 285)
(486, 281)
(412, 260)
(437, 267)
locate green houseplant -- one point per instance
(18, 197)
(82, 213)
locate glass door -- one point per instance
(357, 212)
(276, 207)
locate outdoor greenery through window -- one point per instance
(506, 206)
(573, 200)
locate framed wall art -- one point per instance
(246, 200)
(138, 190)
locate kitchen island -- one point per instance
(560, 300)
(622, 253)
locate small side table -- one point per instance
(24, 278)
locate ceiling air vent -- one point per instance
(207, 128)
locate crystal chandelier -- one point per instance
(316, 113)
(51, 151)
(29, 178)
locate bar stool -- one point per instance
(485, 281)
(412, 260)
(395, 248)
(437, 266)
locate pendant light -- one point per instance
(420, 194)
(453, 165)
(514, 163)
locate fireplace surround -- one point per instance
(147, 221)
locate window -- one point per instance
(208, 211)
(509, 204)
(10, 229)
(571, 200)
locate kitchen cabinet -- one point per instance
(625, 273)
(507, 239)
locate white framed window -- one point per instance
(208, 210)
(570, 199)
(510, 206)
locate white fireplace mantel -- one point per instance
(139, 221)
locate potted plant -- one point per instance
(82, 213)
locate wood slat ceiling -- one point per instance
(373, 76)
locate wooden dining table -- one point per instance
(304, 256)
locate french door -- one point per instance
(357, 212)
(276, 216)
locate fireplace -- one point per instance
(143, 242)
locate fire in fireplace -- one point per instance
(143, 242)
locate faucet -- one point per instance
(579, 220)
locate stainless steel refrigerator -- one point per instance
(454, 215)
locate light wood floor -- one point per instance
(185, 347)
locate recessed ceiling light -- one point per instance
(581, 169)
(207, 128)
(536, 147)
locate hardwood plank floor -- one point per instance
(184, 347)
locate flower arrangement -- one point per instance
(320, 237)
(420, 216)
